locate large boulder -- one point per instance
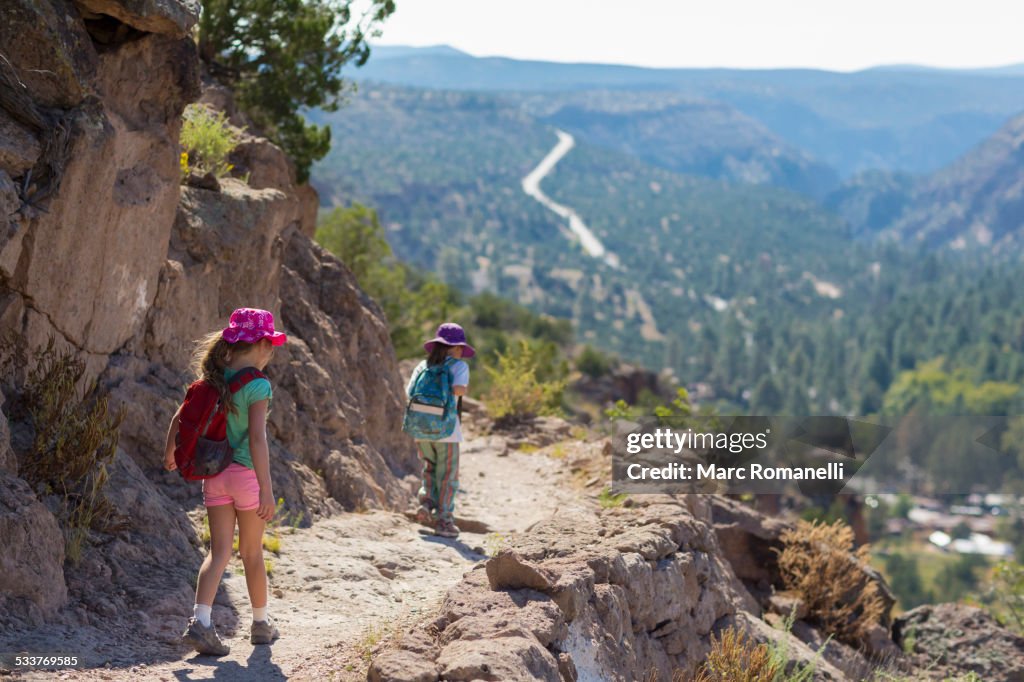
(623, 382)
(170, 17)
(32, 584)
(750, 541)
(610, 595)
(49, 52)
(956, 640)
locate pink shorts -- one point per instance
(235, 484)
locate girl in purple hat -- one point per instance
(440, 458)
(243, 492)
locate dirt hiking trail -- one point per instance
(348, 583)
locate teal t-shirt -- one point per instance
(238, 422)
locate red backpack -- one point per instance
(201, 446)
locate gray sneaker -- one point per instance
(263, 632)
(204, 640)
(425, 515)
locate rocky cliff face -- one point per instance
(974, 202)
(103, 249)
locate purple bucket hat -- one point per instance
(451, 334)
(251, 325)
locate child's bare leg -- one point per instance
(250, 547)
(222, 533)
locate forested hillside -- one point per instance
(731, 273)
(714, 275)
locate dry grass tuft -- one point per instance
(819, 560)
(736, 658)
(75, 438)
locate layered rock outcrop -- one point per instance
(960, 641)
(623, 594)
(103, 249)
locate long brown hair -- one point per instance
(438, 354)
(210, 359)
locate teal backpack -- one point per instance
(431, 413)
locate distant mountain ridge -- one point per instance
(392, 51)
(886, 118)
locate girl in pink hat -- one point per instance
(243, 492)
(440, 458)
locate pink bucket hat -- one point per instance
(251, 325)
(451, 334)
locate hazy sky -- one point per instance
(832, 34)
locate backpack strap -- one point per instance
(449, 361)
(243, 377)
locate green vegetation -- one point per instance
(735, 657)
(743, 282)
(673, 413)
(283, 57)
(372, 636)
(516, 392)
(782, 657)
(206, 140)
(523, 353)
(904, 578)
(959, 577)
(919, 574)
(757, 293)
(593, 362)
(1003, 596)
(608, 500)
(850, 121)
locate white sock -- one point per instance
(204, 614)
(259, 613)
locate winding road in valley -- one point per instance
(531, 185)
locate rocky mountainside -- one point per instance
(976, 202)
(103, 250)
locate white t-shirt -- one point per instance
(460, 377)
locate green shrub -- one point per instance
(619, 410)
(1005, 597)
(207, 138)
(593, 362)
(608, 500)
(516, 393)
